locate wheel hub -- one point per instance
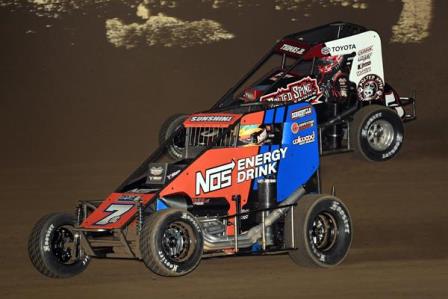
(324, 231)
(179, 140)
(380, 135)
(63, 245)
(176, 241)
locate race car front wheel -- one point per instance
(322, 231)
(176, 146)
(171, 242)
(376, 133)
(54, 248)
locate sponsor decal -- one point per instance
(211, 118)
(292, 49)
(364, 64)
(365, 51)
(364, 57)
(156, 173)
(192, 220)
(156, 170)
(301, 113)
(127, 197)
(301, 140)
(296, 128)
(141, 190)
(245, 217)
(325, 51)
(200, 201)
(116, 211)
(85, 260)
(337, 208)
(363, 71)
(249, 168)
(371, 87)
(47, 238)
(173, 174)
(336, 49)
(215, 178)
(155, 178)
(304, 90)
(167, 263)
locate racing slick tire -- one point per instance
(376, 133)
(171, 242)
(322, 231)
(52, 247)
(176, 147)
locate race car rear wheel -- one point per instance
(322, 231)
(54, 249)
(376, 133)
(176, 147)
(171, 242)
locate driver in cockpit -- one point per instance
(253, 135)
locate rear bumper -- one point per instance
(408, 104)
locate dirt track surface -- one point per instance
(75, 120)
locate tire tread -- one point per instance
(147, 244)
(34, 248)
(301, 255)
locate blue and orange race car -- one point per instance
(243, 177)
(226, 196)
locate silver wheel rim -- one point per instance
(380, 135)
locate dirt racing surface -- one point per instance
(82, 98)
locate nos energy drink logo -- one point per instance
(250, 168)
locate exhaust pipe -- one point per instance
(250, 237)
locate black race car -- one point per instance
(338, 68)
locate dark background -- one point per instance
(77, 115)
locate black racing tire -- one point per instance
(171, 242)
(314, 247)
(175, 148)
(47, 247)
(376, 133)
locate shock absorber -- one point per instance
(77, 235)
(266, 200)
(335, 131)
(237, 222)
(139, 223)
(78, 213)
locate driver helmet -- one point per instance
(252, 134)
(329, 63)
